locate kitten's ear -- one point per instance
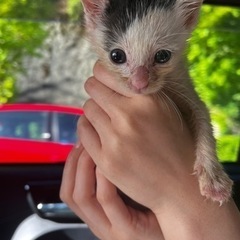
(93, 10)
(191, 10)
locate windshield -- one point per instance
(44, 57)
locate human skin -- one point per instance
(137, 144)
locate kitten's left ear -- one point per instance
(93, 10)
(191, 10)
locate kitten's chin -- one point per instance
(136, 90)
(144, 91)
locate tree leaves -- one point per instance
(214, 56)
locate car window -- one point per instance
(67, 128)
(25, 125)
(44, 57)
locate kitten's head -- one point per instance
(141, 40)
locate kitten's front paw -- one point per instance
(216, 186)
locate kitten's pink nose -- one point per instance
(140, 78)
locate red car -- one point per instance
(37, 133)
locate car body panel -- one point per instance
(40, 107)
(28, 151)
(50, 147)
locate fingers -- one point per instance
(89, 137)
(111, 202)
(103, 96)
(111, 80)
(78, 191)
(79, 186)
(84, 196)
(95, 200)
(68, 179)
(96, 116)
(126, 222)
(105, 89)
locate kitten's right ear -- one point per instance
(93, 10)
(190, 9)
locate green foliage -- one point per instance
(215, 67)
(29, 9)
(17, 39)
(74, 10)
(22, 31)
(228, 146)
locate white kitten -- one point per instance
(144, 42)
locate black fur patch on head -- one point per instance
(119, 14)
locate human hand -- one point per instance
(139, 145)
(137, 142)
(96, 201)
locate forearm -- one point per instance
(199, 219)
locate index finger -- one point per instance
(105, 97)
(112, 80)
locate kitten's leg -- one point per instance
(213, 181)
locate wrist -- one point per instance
(200, 220)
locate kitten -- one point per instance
(143, 41)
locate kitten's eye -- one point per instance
(162, 56)
(118, 56)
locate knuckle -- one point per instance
(79, 198)
(81, 123)
(63, 196)
(125, 121)
(66, 196)
(83, 126)
(89, 84)
(109, 158)
(103, 197)
(76, 197)
(91, 109)
(87, 105)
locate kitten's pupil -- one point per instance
(118, 56)
(162, 56)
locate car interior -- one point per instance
(30, 207)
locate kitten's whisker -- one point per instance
(181, 95)
(174, 107)
(181, 88)
(161, 96)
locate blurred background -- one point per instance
(44, 58)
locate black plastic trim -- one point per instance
(223, 2)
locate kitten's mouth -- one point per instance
(141, 90)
